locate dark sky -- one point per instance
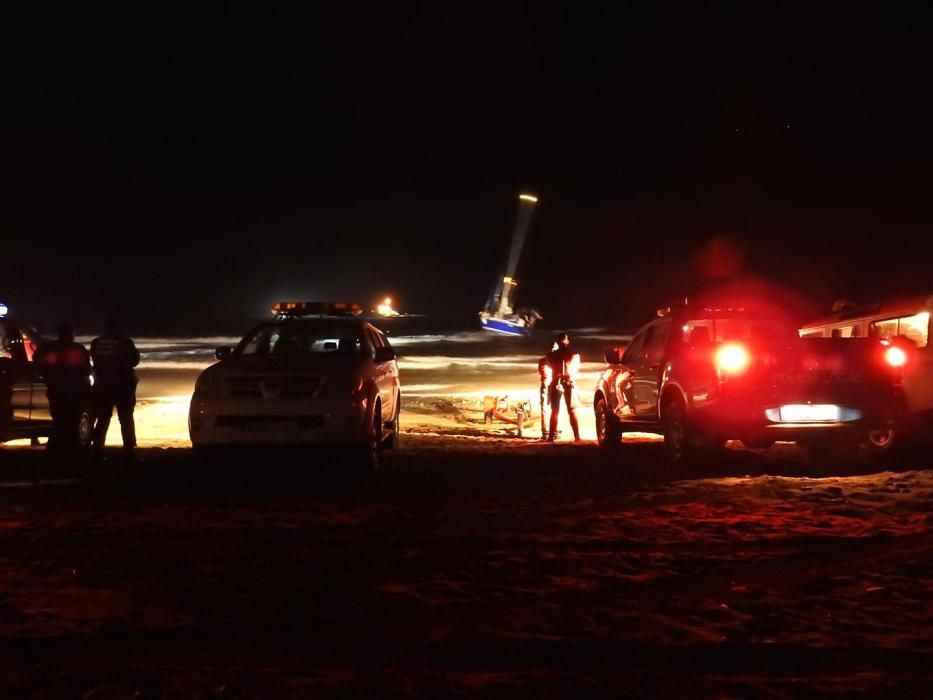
(186, 167)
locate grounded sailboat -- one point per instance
(499, 314)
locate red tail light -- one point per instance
(895, 356)
(732, 358)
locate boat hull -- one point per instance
(505, 327)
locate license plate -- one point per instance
(802, 413)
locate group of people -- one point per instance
(103, 379)
(558, 372)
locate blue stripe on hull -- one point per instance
(498, 325)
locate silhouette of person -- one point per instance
(114, 356)
(564, 363)
(545, 374)
(66, 367)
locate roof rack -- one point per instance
(299, 309)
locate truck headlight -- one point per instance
(207, 386)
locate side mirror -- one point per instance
(223, 353)
(384, 354)
(613, 356)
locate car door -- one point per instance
(623, 389)
(384, 373)
(391, 379)
(648, 367)
(19, 374)
(39, 411)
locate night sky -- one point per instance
(183, 168)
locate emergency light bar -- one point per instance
(4, 310)
(701, 307)
(288, 309)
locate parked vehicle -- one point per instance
(905, 320)
(24, 403)
(317, 375)
(701, 375)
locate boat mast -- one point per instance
(526, 207)
(501, 302)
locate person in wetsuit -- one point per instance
(544, 374)
(564, 363)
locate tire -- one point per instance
(85, 430)
(393, 439)
(894, 443)
(365, 459)
(85, 439)
(608, 432)
(882, 441)
(676, 433)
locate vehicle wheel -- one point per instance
(676, 435)
(366, 459)
(85, 430)
(881, 440)
(393, 439)
(896, 443)
(608, 433)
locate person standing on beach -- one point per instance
(66, 367)
(114, 356)
(544, 373)
(564, 363)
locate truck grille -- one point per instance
(274, 386)
(301, 422)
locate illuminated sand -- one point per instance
(444, 381)
(471, 563)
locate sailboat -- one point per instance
(500, 315)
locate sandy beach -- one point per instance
(474, 563)
(466, 567)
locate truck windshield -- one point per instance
(288, 340)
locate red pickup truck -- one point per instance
(701, 375)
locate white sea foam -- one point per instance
(212, 341)
(192, 364)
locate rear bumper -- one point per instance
(220, 422)
(744, 420)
